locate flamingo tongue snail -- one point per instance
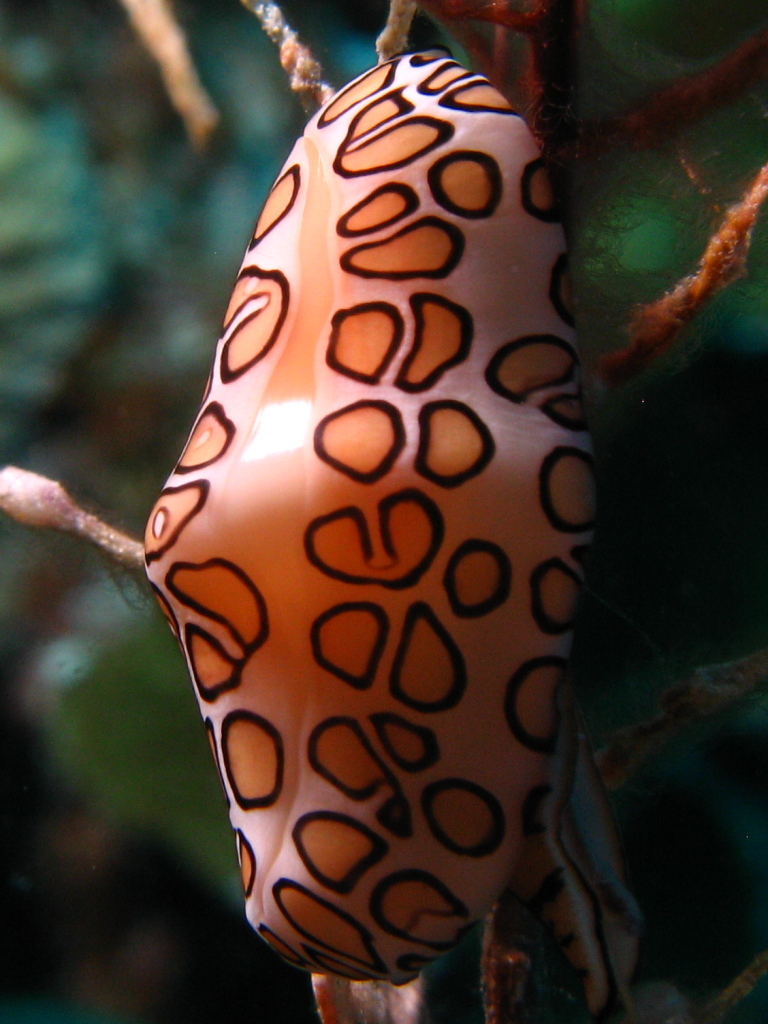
(370, 550)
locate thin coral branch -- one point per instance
(506, 967)
(717, 1010)
(495, 11)
(657, 325)
(39, 502)
(550, 79)
(708, 690)
(155, 24)
(333, 1000)
(393, 38)
(682, 104)
(550, 28)
(304, 72)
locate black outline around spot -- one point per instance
(498, 827)
(421, 610)
(455, 237)
(183, 598)
(549, 216)
(243, 842)
(211, 732)
(418, 301)
(375, 963)
(381, 719)
(250, 803)
(364, 681)
(530, 809)
(379, 848)
(404, 191)
(488, 164)
(519, 397)
(338, 967)
(550, 888)
(414, 875)
(351, 141)
(425, 88)
(397, 336)
(385, 507)
(295, 959)
(168, 612)
(420, 59)
(499, 595)
(444, 129)
(421, 464)
(579, 553)
(547, 465)
(540, 744)
(364, 793)
(544, 621)
(202, 487)
(559, 270)
(323, 120)
(295, 172)
(389, 458)
(413, 962)
(227, 375)
(210, 693)
(451, 101)
(395, 813)
(549, 409)
(215, 409)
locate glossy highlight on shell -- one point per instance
(370, 548)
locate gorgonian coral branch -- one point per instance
(708, 690)
(36, 501)
(155, 24)
(681, 104)
(656, 326)
(393, 39)
(305, 74)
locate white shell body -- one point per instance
(370, 550)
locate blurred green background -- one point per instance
(119, 897)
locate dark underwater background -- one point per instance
(119, 892)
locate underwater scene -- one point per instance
(139, 142)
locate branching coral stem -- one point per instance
(495, 11)
(36, 501)
(716, 1011)
(305, 74)
(393, 39)
(656, 326)
(681, 104)
(708, 690)
(550, 27)
(155, 24)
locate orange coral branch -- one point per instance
(681, 104)
(36, 501)
(656, 326)
(305, 74)
(708, 690)
(717, 1010)
(495, 11)
(155, 24)
(550, 27)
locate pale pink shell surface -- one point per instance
(370, 550)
